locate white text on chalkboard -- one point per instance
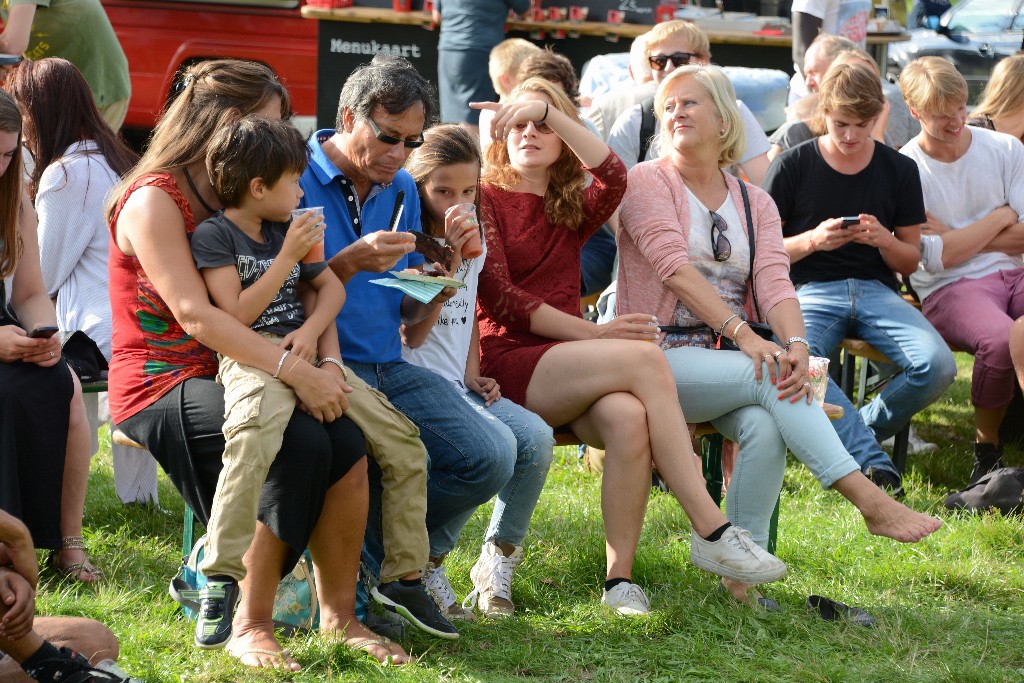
(373, 48)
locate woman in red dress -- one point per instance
(615, 391)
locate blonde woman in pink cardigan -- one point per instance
(684, 254)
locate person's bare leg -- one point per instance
(253, 626)
(564, 385)
(986, 424)
(883, 515)
(335, 546)
(88, 637)
(618, 423)
(76, 479)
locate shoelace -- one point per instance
(440, 588)
(744, 541)
(212, 605)
(636, 594)
(497, 580)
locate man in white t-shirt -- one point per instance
(672, 44)
(973, 183)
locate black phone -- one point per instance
(44, 332)
(847, 221)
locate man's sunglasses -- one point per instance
(390, 140)
(721, 247)
(658, 62)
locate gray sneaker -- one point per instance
(735, 556)
(627, 599)
(443, 593)
(492, 580)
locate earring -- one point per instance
(722, 132)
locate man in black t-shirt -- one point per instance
(851, 213)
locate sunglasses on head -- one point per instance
(721, 247)
(659, 62)
(540, 126)
(391, 140)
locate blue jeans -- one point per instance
(719, 387)
(534, 443)
(470, 460)
(598, 261)
(868, 310)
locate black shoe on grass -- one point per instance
(217, 601)
(416, 605)
(66, 666)
(888, 481)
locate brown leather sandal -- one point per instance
(74, 570)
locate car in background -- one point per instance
(973, 34)
(160, 37)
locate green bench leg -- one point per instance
(187, 537)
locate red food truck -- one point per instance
(161, 36)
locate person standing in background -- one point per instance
(80, 32)
(469, 30)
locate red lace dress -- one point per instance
(530, 262)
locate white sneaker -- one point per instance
(492, 580)
(915, 444)
(444, 595)
(735, 556)
(627, 599)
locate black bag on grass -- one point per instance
(1002, 489)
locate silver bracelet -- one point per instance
(736, 329)
(721, 330)
(334, 361)
(280, 363)
(794, 340)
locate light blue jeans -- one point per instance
(513, 508)
(868, 310)
(719, 387)
(470, 459)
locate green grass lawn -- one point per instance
(949, 609)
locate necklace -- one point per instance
(192, 186)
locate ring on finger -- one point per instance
(807, 384)
(777, 354)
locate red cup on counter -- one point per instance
(401, 5)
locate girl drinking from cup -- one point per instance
(447, 172)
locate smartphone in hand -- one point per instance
(43, 332)
(847, 221)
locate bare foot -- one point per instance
(893, 519)
(742, 592)
(356, 636)
(253, 643)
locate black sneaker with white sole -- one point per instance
(416, 605)
(888, 481)
(217, 601)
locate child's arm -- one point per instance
(487, 387)
(321, 309)
(246, 305)
(414, 334)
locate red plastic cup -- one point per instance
(316, 252)
(474, 246)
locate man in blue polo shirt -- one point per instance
(355, 173)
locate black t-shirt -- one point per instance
(218, 242)
(807, 191)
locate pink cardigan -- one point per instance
(654, 236)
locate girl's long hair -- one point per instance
(563, 199)
(60, 111)
(444, 145)
(10, 190)
(1004, 94)
(211, 95)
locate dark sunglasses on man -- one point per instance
(390, 140)
(659, 62)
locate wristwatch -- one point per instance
(793, 340)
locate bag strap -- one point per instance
(750, 236)
(646, 127)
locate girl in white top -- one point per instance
(447, 172)
(78, 159)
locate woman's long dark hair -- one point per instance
(60, 111)
(10, 190)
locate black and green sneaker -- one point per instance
(217, 601)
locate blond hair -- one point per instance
(505, 59)
(830, 45)
(932, 84)
(856, 55)
(563, 198)
(732, 141)
(1004, 94)
(851, 89)
(687, 30)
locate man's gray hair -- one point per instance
(393, 83)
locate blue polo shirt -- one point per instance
(369, 321)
